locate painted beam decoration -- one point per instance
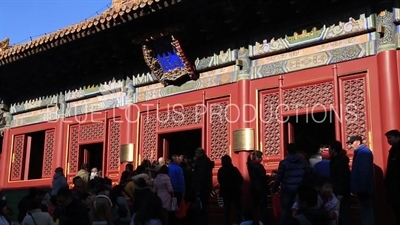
(224, 58)
(144, 79)
(343, 29)
(167, 61)
(5, 116)
(34, 104)
(98, 97)
(35, 111)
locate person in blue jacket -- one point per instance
(293, 171)
(177, 178)
(362, 179)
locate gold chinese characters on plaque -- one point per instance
(243, 140)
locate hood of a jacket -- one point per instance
(162, 177)
(58, 176)
(207, 161)
(294, 158)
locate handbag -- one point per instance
(183, 208)
(174, 204)
(276, 205)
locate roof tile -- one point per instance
(21, 50)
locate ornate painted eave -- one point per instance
(334, 32)
(106, 88)
(5, 117)
(144, 79)
(82, 93)
(34, 104)
(120, 13)
(112, 86)
(222, 59)
(167, 61)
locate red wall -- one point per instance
(210, 98)
(108, 127)
(60, 156)
(365, 69)
(130, 128)
(10, 178)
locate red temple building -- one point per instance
(147, 79)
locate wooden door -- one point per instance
(86, 156)
(165, 150)
(17, 166)
(27, 156)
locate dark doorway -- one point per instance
(92, 154)
(180, 143)
(309, 131)
(36, 142)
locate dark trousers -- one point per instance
(236, 201)
(167, 217)
(396, 210)
(344, 213)
(190, 216)
(202, 203)
(172, 218)
(366, 208)
(287, 201)
(260, 204)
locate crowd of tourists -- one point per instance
(306, 190)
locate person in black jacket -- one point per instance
(73, 211)
(230, 181)
(340, 176)
(259, 185)
(23, 205)
(202, 178)
(293, 171)
(392, 178)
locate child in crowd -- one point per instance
(326, 200)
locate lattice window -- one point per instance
(270, 124)
(354, 109)
(17, 164)
(179, 117)
(308, 96)
(92, 131)
(219, 129)
(73, 154)
(49, 148)
(114, 145)
(149, 138)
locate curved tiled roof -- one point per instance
(129, 9)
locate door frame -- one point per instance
(289, 133)
(163, 142)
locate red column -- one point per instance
(388, 93)
(244, 118)
(4, 171)
(59, 154)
